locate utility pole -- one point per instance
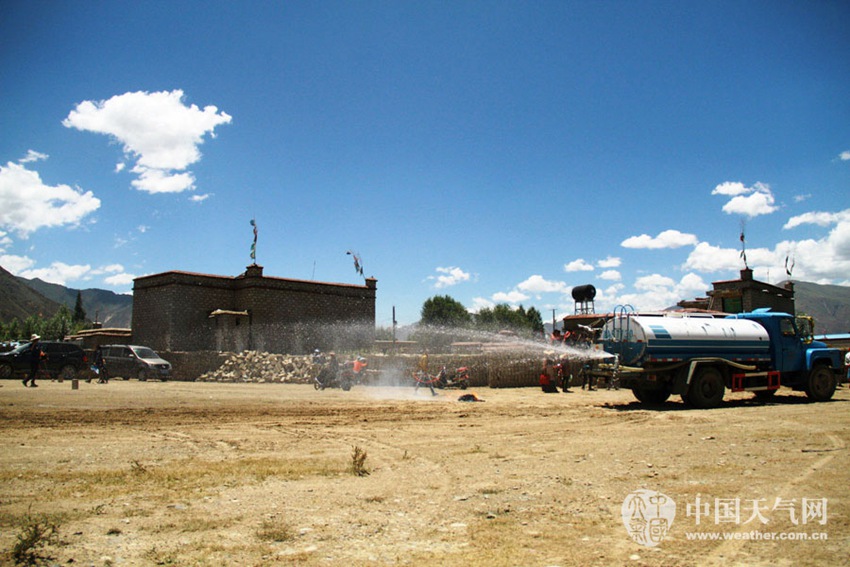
(394, 326)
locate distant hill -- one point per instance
(110, 308)
(828, 304)
(19, 300)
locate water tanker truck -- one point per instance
(699, 357)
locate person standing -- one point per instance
(100, 366)
(36, 354)
(423, 374)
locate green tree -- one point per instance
(504, 317)
(444, 311)
(444, 320)
(79, 312)
(13, 330)
(535, 320)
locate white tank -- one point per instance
(644, 337)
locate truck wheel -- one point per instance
(652, 397)
(820, 385)
(707, 388)
(6, 371)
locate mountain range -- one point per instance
(21, 297)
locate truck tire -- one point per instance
(820, 384)
(651, 397)
(6, 371)
(707, 388)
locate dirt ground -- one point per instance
(149, 473)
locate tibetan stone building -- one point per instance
(744, 295)
(182, 311)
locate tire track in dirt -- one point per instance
(728, 549)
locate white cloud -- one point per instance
(109, 269)
(513, 297)
(27, 204)
(818, 218)
(653, 282)
(801, 198)
(450, 276)
(665, 239)
(823, 260)
(199, 198)
(706, 257)
(479, 303)
(579, 265)
(749, 201)
(158, 130)
(4, 240)
(538, 284)
(119, 280)
(709, 258)
(119, 167)
(16, 264)
(693, 283)
(610, 262)
(844, 156)
(731, 189)
(58, 273)
(657, 292)
(162, 180)
(33, 156)
(612, 275)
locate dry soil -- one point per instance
(135, 473)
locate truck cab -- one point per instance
(803, 363)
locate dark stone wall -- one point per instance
(171, 312)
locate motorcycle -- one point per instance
(329, 375)
(459, 378)
(332, 375)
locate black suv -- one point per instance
(62, 360)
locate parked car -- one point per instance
(62, 360)
(133, 361)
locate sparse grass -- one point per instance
(36, 531)
(157, 557)
(274, 531)
(161, 480)
(358, 462)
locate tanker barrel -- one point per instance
(584, 292)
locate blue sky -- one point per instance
(496, 152)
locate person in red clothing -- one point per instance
(548, 377)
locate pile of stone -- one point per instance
(253, 366)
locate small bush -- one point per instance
(36, 532)
(358, 462)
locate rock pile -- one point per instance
(253, 366)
